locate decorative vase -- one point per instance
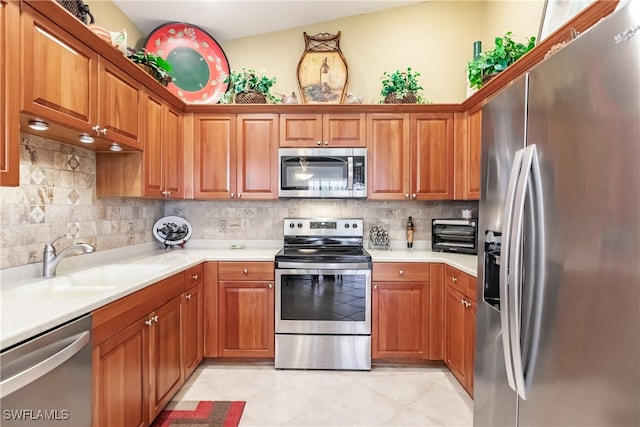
(322, 70)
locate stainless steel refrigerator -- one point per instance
(558, 319)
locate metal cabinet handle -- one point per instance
(148, 322)
(406, 195)
(188, 296)
(40, 369)
(326, 143)
(239, 195)
(454, 279)
(375, 286)
(414, 195)
(155, 319)
(318, 142)
(270, 285)
(233, 195)
(402, 272)
(194, 277)
(245, 271)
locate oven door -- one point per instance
(323, 301)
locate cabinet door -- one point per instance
(432, 156)
(470, 344)
(192, 333)
(210, 297)
(9, 94)
(388, 172)
(454, 351)
(165, 373)
(400, 320)
(152, 154)
(120, 378)
(246, 319)
(172, 153)
(467, 155)
(256, 163)
(60, 74)
(120, 102)
(344, 130)
(215, 156)
(300, 130)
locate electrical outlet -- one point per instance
(222, 226)
(131, 230)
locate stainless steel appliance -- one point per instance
(322, 172)
(323, 296)
(558, 323)
(454, 235)
(47, 380)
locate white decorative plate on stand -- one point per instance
(172, 231)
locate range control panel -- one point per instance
(351, 227)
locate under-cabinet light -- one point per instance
(115, 147)
(38, 125)
(86, 139)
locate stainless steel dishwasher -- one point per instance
(46, 381)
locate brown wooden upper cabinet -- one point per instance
(67, 83)
(410, 156)
(322, 130)
(467, 155)
(163, 151)
(235, 156)
(9, 94)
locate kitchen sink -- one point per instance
(86, 283)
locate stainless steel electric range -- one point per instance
(323, 296)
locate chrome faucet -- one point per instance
(51, 260)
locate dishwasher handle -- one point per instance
(40, 369)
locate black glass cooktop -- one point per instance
(324, 254)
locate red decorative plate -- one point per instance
(199, 63)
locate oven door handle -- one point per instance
(298, 266)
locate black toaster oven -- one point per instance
(454, 235)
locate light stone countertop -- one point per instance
(38, 305)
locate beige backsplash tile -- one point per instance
(57, 196)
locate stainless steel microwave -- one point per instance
(322, 172)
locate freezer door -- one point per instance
(503, 134)
(583, 120)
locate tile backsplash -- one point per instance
(57, 196)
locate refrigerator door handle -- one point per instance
(505, 255)
(529, 168)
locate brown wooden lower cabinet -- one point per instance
(138, 362)
(460, 311)
(246, 309)
(193, 326)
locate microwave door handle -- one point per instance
(350, 173)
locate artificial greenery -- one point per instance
(401, 83)
(158, 67)
(493, 61)
(247, 80)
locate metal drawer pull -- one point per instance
(402, 272)
(454, 279)
(188, 296)
(194, 277)
(245, 271)
(270, 285)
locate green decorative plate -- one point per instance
(199, 63)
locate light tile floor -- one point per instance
(388, 395)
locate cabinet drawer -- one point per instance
(193, 276)
(400, 272)
(246, 270)
(460, 281)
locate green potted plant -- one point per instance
(247, 87)
(401, 87)
(493, 61)
(158, 67)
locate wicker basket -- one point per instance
(78, 9)
(409, 98)
(251, 97)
